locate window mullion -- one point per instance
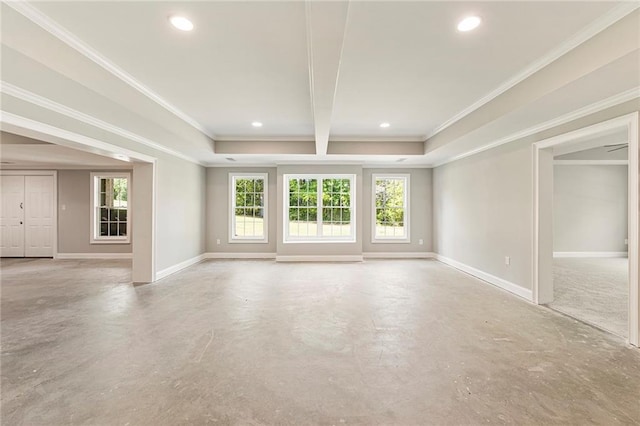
(319, 207)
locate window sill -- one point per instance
(319, 241)
(391, 241)
(123, 241)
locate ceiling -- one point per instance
(326, 73)
(20, 151)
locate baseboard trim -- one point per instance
(212, 255)
(398, 255)
(314, 258)
(64, 256)
(179, 267)
(491, 279)
(559, 254)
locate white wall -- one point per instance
(590, 208)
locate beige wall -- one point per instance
(483, 204)
(420, 205)
(590, 208)
(74, 215)
(218, 211)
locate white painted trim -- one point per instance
(630, 121)
(64, 256)
(590, 162)
(406, 239)
(320, 258)
(45, 22)
(589, 254)
(14, 123)
(41, 101)
(94, 238)
(226, 255)
(320, 177)
(398, 255)
(585, 34)
(232, 207)
(53, 173)
(491, 279)
(601, 105)
(179, 267)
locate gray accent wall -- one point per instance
(420, 212)
(590, 208)
(218, 211)
(74, 228)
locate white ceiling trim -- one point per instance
(67, 37)
(574, 115)
(328, 21)
(41, 101)
(249, 138)
(590, 162)
(376, 139)
(585, 34)
(14, 123)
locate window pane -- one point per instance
(390, 209)
(104, 229)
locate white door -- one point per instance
(38, 216)
(12, 216)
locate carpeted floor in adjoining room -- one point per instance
(593, 290)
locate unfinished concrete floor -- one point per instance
(255, 342)
(593, 290)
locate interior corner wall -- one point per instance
(482, 212)
(180, 211)
(590, 208)
(483, 204)
(218, 211)
(420, 212)
(74, 214)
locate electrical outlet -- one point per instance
(64, 207)
(626, 241)
(421, 241)
(218, 241)
(507, 260)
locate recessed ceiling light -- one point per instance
(469, 23)
(384, 125)
(181, 23)
(256, 124)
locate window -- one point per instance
(110, 218)
(319, 208)
(248, 215)
(390, 220)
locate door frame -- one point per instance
(53, 173)
(542, 222)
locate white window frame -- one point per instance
(234, 239)
(406, 238)
(96, 238)
(287, 239)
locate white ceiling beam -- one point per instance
(326, 25)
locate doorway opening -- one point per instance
(586, 225)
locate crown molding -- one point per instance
(603, 104)
(9, 122)
(583, 35)
(48, 104)
(590, 162)
(253, 138)
(46, 23)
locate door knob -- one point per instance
(20, 222)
